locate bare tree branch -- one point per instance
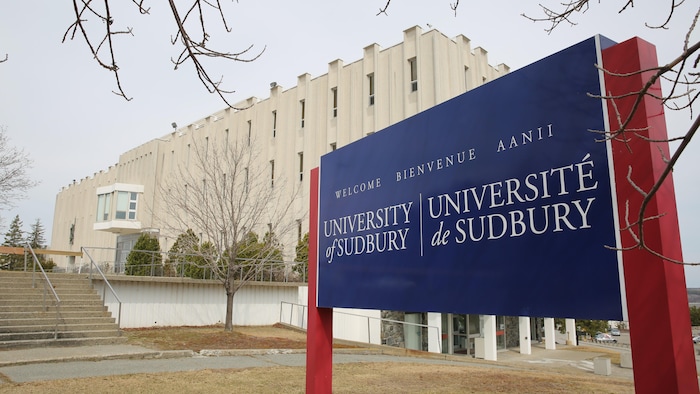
(224, 195)
(684, 79)
(94, 16)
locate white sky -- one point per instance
(58, 105)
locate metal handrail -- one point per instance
(437, 329)
(107, 285)
(266, 271)
(47, 284)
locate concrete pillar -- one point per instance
(490, 337)
(549, 334)
(571, 332)
(525, 336)
(434, 332)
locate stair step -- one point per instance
(21, 336)
(27, 314)
(10, 324)
(51, 308)
(24, 344)
(25, 322)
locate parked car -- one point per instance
(696, 339)
(615, 332)
(602, 337)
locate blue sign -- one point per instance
(497, 202)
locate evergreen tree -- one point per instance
(145, 258)
(36, 240)
(14, 237)
(186, 256)
(302, 258)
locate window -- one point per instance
(245, 180)
(272, 173)
(301, 166)
(226, 136)
(370, 84)
(298, 230)
(334, 92)
(334, 146)
(116, 205)
(274, 124)
(104, 204)
(250, 128)
(126, 206)
(414, 73)
(302, 108)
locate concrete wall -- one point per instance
(149, 302)
(158, 302)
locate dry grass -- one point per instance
(347, 378)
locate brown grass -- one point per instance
(347, 378)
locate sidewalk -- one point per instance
(103, 360)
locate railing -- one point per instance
(107, 285)
(47, 286)
(112, 261)
(301, 321)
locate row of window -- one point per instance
(125, 208)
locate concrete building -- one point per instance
(291, 130)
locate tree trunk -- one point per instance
(229, 310)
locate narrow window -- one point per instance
(133, 197)
(334, 91)
(301, 166)
(414, 73)
(302, 105)
(250, 128)
(226, 136)
(272, 173)
(245, 180)
(370, 82)
(298, 230)
(274, 124)
(334, 146)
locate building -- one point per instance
(292, 129)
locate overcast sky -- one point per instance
(58, 105)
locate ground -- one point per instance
(347, 378)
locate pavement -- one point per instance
(52, 363)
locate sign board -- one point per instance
(499, 201)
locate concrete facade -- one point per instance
(291, 128)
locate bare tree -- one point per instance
(682, 78)
(97, 25)
(224, 195)
(14, 177)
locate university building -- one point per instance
(292, 129)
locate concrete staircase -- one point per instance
(82, 318)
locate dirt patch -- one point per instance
(347, 378)
(214, 337)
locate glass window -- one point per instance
(103, 207)
(370, 82)
(335, 102)
(122, 205)
(302, 105)
(274, 124)
(414, 73)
